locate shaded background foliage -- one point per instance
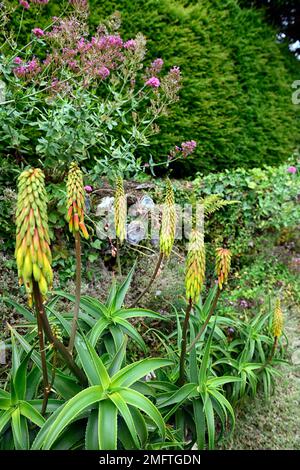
(236, 96)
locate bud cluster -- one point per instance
(32, 251)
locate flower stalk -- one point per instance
(167, 235)
(194, 279)
(75, 217)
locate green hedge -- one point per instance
(236, 99)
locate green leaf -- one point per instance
(179, 396)
(5, 403)
(137, 312)
(71, 438)
(91, 306)
(133, 372)
(91, 433)
(199, 420)
(4, 394)
(40, 437)
(107, 425)
(27, 410)
(218, 381)
(20, 430)
(122, 290)
(96, 363)
(100, 326)
(140, 425)
(131, 331)
(210, 421)
(5, 417)
(118, 359)
(65, 385)
(137, 400)
(71, 409)
(112, 294)
(20, 379)
(124, 411)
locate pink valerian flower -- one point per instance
(24, 4)
(20, 71)
(73, 64)
(186, 149)
(18, 60)
(79, 4)
(156, 66)
(28, 69)
(33, 66)
(38, 32)
(153, 82)
(103, 72)
(171, 83)
(130, 44)
(88, 189)
(292, 170)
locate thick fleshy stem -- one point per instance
(153, 277)
(211, 312)
(46, 386)
(52, 339)
(77, 292)
(183, 343)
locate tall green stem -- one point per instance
(153, 277)
(183, 343)
(212, 309)
(52, 339)
(77, 292)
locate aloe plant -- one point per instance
(111, 393)
(205, 397)
(112, 316)
(19, 409)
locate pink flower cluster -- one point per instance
(153, 82)
(156, 66)
(186, 149)
(24, 4)
(292, 170)
(79, 4)
(26, 70)
(94, 58)
(38, 32)
(130, 44)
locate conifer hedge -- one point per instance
(236, 96)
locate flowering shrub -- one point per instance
(75, 93)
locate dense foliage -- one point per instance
(236, 98)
